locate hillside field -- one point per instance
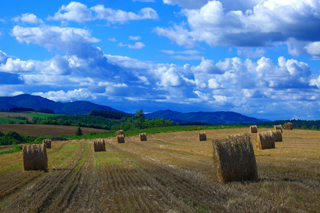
(171, 172)
(5, 117)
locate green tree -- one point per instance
(79, 131)
(139, 119)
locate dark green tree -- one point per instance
(79, 131)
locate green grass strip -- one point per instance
(15, 149)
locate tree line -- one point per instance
(102, 119)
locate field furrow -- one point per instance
(43, 189)
(170, 172)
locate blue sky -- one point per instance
(255, 57)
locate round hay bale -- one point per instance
(202, 136)
(288, 126)
(47, 142)
(120, 132)
(265, 140)
(35, 157)
(278, 127)
(253, 129)
(234, 159)
(235, 135)
(277, 135)
(120, 138)
(142, 136)
(99, 145)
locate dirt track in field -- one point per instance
(36, 129)
(171, 172)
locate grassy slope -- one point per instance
(4, 120)
(40, 115)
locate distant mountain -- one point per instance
(205, 117)
(37, 102)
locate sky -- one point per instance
(259, 58)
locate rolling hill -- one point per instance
(37, 102)
(205, 117)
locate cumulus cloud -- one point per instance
(16, 65)
(28, 18)
(313, 48)
(70, 95)
(137, 45)
(206, 66)
(120, 16)
(213, 84)
(72, 40)
(265, 24)
(78, 12)
(178, 34)
(74, 11)
(227, 4)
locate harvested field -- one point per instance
(173, 172)
(54, 130)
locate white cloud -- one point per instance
(213, 84)
(137, 45)
(206, 66)
(112, 39)
(17, 93)
(267, 23)
(111, 84)
(70, 95)
(315, 82)
(178, 34)
(227, 4)
(74, 11)
(28, 18)
(220, 98)
(135, 38)
(120, 16)
(72, 40)
(16, 66)
(313, 48)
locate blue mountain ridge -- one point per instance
(84, 107)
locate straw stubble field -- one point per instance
(171, 172)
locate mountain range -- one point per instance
(84, 107)
(37, 102)
(204, 117)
